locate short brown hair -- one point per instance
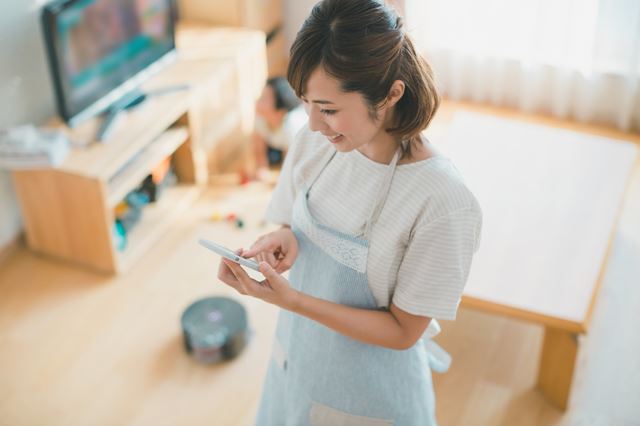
(363, 45)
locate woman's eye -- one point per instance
(328, 111)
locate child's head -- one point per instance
(277, 98)
(361, 46)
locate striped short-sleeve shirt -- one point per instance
(421, 247)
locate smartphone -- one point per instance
(229, 254)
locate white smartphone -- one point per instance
(229, 254)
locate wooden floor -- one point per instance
(80, 348)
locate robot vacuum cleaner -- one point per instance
(215, 329)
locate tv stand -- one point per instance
(128, 101)
(69, 210)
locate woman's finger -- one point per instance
(270, 258)
(272, 276)
(245, 283)
(284, 264)
(233, 268)
(268, 244)
(225, 274)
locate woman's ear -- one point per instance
(395, 93)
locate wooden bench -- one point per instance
(550, 200)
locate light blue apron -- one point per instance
(318, 376)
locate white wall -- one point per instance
(25, 91)
(295, 12)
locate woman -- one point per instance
(378, 230)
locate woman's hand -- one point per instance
(274, 289)
(279, 249)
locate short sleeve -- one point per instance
(436, 264)
(281, 204)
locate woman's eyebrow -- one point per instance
(316, 101)
(322, 101)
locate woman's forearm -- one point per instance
(379, 328)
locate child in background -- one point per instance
(279, 116)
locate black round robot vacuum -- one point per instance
(215, 329)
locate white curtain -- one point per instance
(575, 59)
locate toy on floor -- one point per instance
(244, 177)
(229, 217)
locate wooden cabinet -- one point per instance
(68, 210)
(263, 15)
(201, 43)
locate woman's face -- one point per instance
(343, 117)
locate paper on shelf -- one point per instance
(26, 147)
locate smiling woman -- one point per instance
(373, 66)
(378, 229)
(345, 119)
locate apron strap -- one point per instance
(382, 195)
(327, 160)
(381, 198)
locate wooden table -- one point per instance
(550, 200)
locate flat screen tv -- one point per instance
(101, 50)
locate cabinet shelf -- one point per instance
(156, 218)
(139, 166)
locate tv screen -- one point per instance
(99, 50)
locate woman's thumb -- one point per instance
(269, 273)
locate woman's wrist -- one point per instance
(293, 300)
